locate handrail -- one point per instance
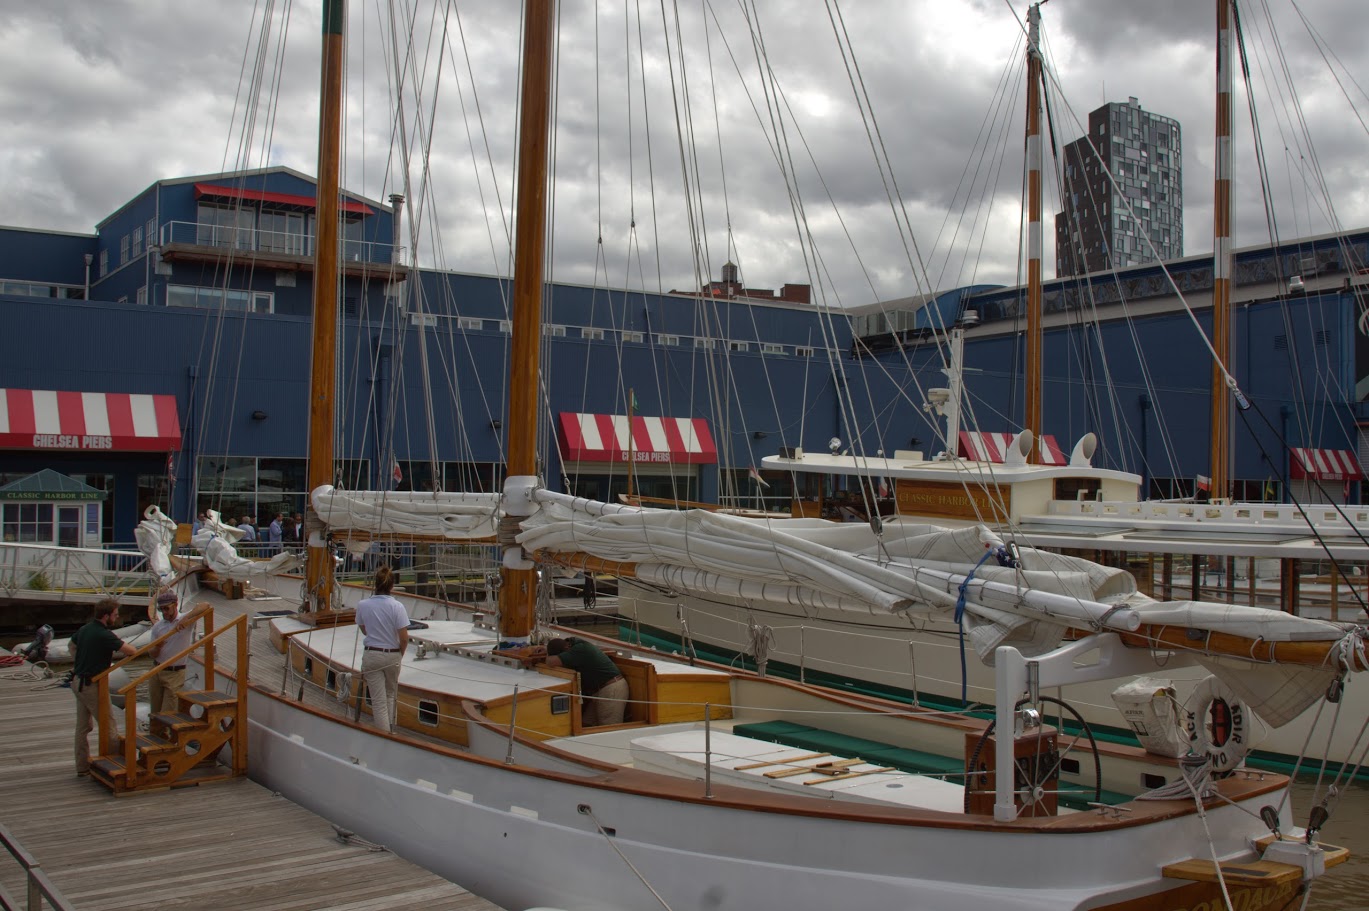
(39, 886)
(193, 615)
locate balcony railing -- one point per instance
(275, 243)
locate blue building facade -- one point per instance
(200, 295)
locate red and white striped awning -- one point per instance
(1324, 465)
(604, 438)
(993, 447)
(95, 421)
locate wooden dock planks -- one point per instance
(231, 845)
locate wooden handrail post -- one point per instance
(103, 713)
(240, 731)
(209, 650)
(130, 738)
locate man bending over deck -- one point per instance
(382, 621)
(599, 679)
(92, 650)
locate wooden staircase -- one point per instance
(181, 748)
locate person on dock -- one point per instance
(246, 546)
(166, 683)
(92, 650)
(385, 626)
(273, 534)
(599, 679)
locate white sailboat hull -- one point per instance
(476, 821)
(921, 654)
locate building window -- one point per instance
(803, 351)
(259, 488)
(218, 298)
(739, 346)
(151, 232)
(554, 331)
(593, 334)
(506, 326)
(104, 263)
(771, 348)
(142, 296)
(227, 226)
(671, 340)
(629, 336)
(137, 243)
(471, 322)
(707, 343)
(28, 522)
(123, 249)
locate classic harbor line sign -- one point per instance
(88, 421)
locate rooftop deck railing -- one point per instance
(251, 240)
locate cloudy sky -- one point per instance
(770, 132)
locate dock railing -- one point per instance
(39, 887)
(51, 572)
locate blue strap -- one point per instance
(1002, 554)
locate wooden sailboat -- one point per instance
(1071, 507)
(728, 790)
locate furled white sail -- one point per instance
(216, 542)
(155, 536)
(455, 516)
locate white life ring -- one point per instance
(1218, 723)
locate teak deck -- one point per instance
(230, 845)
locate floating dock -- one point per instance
(229, 845)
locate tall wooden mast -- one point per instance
(1221, 264)
(518, 592)
(322, 382)
(1034, 237)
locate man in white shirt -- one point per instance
(166, 683)
(385, 626)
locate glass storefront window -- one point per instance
(474, 477)
(260, 488)
(281, 475)
(227, 474)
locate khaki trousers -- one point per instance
(381, 672)
(87, 710)
(162, 689)
(608, 706)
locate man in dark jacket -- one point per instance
(92, 649)
(600, 681)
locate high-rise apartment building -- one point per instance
(1106, 223)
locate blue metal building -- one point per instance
(197, 320)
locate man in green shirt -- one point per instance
(600, 680)
(92, 649)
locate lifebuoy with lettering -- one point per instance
(1218, 724)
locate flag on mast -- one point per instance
(395, 471)
(755, 475)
